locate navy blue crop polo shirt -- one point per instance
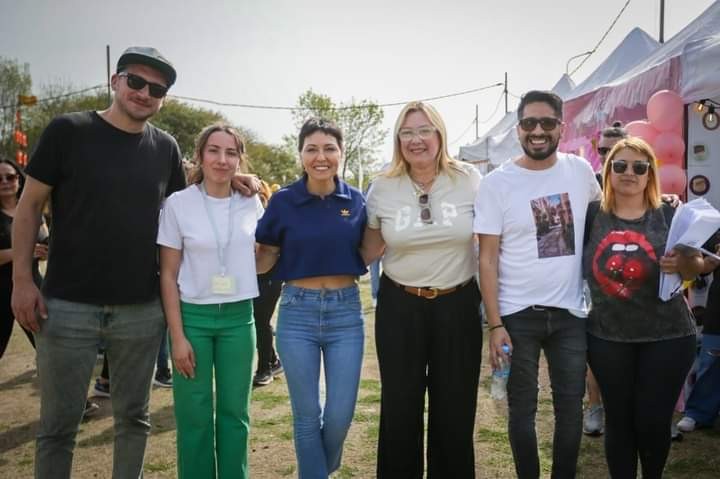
(316, 236)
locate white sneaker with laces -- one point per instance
(594, 420)
(686, 424)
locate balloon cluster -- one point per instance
(663, 131)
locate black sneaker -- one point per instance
(163, 378)
(101, 389)
(90, 409)
(262, 378)
(276, 368)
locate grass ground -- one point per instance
(272, 454)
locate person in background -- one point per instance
(428, 330)
(207, 280)
(268, 363)
(703, 405)
(639, 347)
(594, 416)
(313, 229)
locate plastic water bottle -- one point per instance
(498, 386)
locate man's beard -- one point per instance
(544, 154)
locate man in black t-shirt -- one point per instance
(107, 173)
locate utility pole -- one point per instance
(505, 92)
(662, 21)
(107, 58)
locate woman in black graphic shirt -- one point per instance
(639, 347)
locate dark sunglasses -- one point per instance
(603, 150)
(639, 167)
(425, 211)
(546, 123)
(138, 83)
(9, 178)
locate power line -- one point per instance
(472, 122)
(291, 108)
(607, 32)
(497, 106)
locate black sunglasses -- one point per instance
(138, 83)
(603, 150)
(9, 178)
(547, 123)
(639, 167)
(425, 211)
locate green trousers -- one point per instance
(223, 339)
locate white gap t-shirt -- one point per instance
(540, 218)
(184, 225)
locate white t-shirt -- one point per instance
(185, 226)
(540, 218)
(439, 255)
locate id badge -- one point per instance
(223, 284)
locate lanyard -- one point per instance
(221, 249)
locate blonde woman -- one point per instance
(208, 280)
(639, 347)
(428, 330)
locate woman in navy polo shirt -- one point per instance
(313, 228)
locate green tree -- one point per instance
(184, 122)
(14, 81)
(274, 164)
(360, 122)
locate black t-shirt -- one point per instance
(620, 263)
(711, 319)
(108, 187)
(6, 269)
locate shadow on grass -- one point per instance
(19, 380)
(17, 436)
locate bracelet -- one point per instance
(496, 326)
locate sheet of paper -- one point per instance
(691, 227)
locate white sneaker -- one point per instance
(686, 424)
(594, 420)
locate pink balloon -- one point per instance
(678, 161)
(670, 147)
(672, 179)
(665, 110)
(642, 129)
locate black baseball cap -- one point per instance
(150, 57)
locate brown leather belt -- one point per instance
(430, 293)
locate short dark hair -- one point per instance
(540, 96)
(312, 125)
(615, 131)
(18, 170)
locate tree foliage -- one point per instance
(14, 81)
(360, 122)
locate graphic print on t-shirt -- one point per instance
(554, 225)
(621, 263)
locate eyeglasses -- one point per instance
(138, 83)
(424, 132)
(9, 178)
(638, 167)
(546, 123)
(603, 150)
(425, 211)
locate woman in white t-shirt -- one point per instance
(208, 280)
(428, 330)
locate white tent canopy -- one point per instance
(501, 143)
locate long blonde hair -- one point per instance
(445, 163)
(652, 190)
(196, 175)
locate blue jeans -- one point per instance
(162, 357)
(703, 405)
(562, 338)
(67, 347)
(315, 323)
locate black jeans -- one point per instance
(640, 384)
(434, 345)
(263, 309)
(561, 336)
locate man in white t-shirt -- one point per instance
(529, 217)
